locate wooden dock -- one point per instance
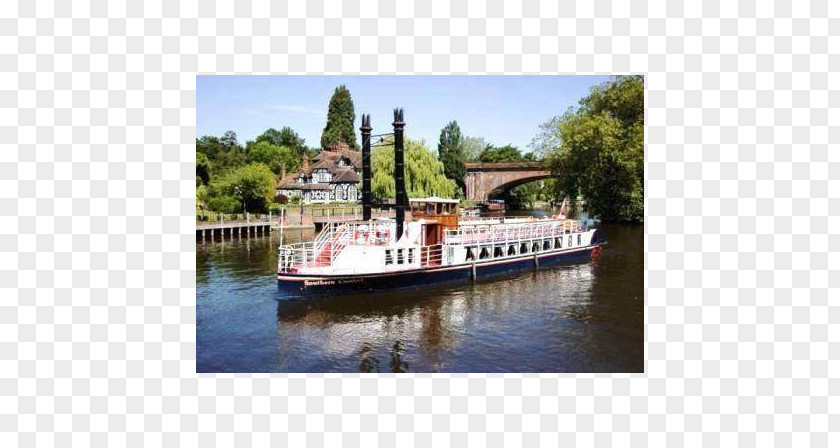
(234, 228)
(291, 218)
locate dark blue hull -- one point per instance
(299, 285)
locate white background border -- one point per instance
(97, 121)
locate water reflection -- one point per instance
(434, 327)
(584, 317)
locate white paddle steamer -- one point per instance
(432, 246)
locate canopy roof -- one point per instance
(434, 199)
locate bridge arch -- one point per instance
(504, 188)
(486, 180)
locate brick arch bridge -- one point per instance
(486, 180)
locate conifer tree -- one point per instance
(340, 118)
(451, 154)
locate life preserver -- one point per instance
(383, 234)
(596, 253)
(360, 236)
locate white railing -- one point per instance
(431, 255)
(497, 233)
(294, 256)
(330, 242)
(478, 220)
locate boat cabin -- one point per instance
(437, 215)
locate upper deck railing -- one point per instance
(509, 232)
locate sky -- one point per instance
(501, 109)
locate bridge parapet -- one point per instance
(503, 166)
(486, 179)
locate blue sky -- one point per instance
(501, 109)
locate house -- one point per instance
(331, 176)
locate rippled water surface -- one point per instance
(574, 318)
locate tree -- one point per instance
(600, 155)
(223, 154)
(208, 145)
(202, 169)
(507, 153)
(473, 147)
(424, 174)
(202, 195)
(523, 196)
(284, 137)
(277, 158)
(548, 139)
(251, 185)
(229, 140)
(340, 118)
(451, 154)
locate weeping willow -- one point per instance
(423, 172)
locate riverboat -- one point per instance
(435, 245)
(493, 205)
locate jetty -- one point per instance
(291, 217)
(239, 228)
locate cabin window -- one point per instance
(535, 247)
(570, 241)
(558, 243)
(400, 258)
(470, 254)
(410, 256)
(578, 239)
(523, 248)
(484, 254)
(511, 250)
(389, 256)
(498, 252)
(546, 245)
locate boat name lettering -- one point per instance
(318, 282)
(350, 280)
(332, 282)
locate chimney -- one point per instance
(399, 170)
(366, 166)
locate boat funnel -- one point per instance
(366, 166)
(399, 171)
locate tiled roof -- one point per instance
(346, 175)
(329, 160)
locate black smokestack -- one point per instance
(365, 166)
(399, 170)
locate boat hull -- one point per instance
(303, 285)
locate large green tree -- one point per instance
(600, 150)
(340, 118)
(507, 153)
(284, 137)
(423, 173)
(251, 185)
(451, 154)
(223, 153)
(277, 158)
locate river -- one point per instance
(586, 317)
